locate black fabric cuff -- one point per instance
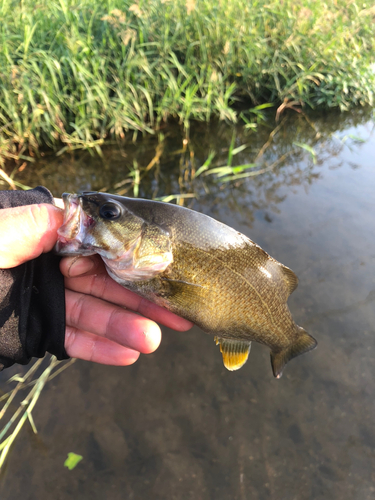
(32, 298)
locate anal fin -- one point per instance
(234, 352)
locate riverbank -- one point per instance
(75, 74)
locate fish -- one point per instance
(192, 265)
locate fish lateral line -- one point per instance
(243, 278)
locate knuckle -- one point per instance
(76, 310)
(99, 285)
(70, 337)
(39, 215)
(112, 320)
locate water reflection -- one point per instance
(165, 164)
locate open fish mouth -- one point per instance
(72, 233)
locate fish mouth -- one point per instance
(71, 235)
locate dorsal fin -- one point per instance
(235, 352)
(290, 278)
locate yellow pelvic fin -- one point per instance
(235, 352)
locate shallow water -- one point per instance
(177, 425)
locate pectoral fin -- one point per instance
(235, 352)
(182, 293)
(179, 284)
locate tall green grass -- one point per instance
(74, 73)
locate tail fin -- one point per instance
(302, 344)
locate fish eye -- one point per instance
(110, 211)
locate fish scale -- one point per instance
(194, 266)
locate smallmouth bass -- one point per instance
(192, 265)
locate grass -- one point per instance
(74, 74)
(22, 412)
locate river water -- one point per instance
(177, 424)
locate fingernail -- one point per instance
(80, 265)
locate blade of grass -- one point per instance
(308, 148)
(205, 166)
(24, 411)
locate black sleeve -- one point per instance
(32, 298)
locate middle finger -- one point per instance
(113, 322)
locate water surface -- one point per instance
(177, 424)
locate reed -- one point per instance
(74, 74)
(20, 412)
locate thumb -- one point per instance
(26, 232)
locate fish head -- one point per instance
(97, 223)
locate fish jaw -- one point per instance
(72, 235)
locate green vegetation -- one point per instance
(76, 73)
(35, 381)
(73, 460)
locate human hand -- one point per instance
(98, 328)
